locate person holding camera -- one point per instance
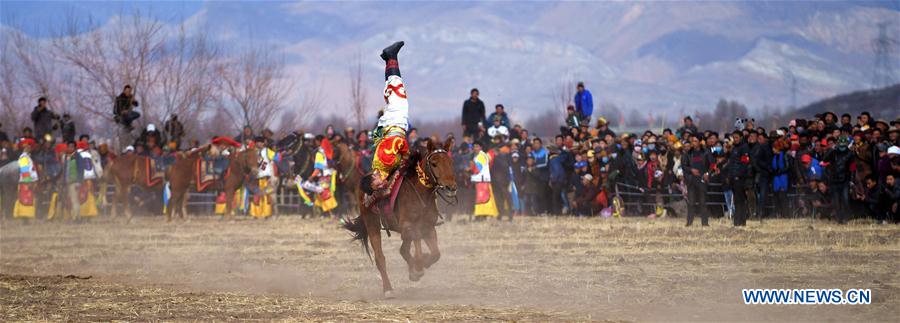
(43, 119)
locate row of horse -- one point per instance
(187, 171)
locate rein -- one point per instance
(428, 179)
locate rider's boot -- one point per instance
(389, 55)
(380, 189)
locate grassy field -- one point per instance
(533, 269)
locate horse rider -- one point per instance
(390, 134)
(321, 171)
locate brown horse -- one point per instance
(242, 169)
(349, 173)
(126, 172)
(415, 214)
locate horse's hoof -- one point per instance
(389, 294)
(415, 276)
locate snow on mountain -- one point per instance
(654, 56)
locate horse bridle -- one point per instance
(437, 187)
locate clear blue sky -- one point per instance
(39, 18)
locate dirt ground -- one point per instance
(533, 269)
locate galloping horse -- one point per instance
(126, 172)
(242, 170)
(9, 181)
(415, 213)
(349, 173)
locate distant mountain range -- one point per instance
(883, 103)
(659, 57)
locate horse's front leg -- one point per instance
(405, 247)
(432, 243)
(418, 260)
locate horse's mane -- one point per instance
(415, 155)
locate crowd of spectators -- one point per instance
(825, 166)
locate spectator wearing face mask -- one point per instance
(837, 163)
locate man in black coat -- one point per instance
(500, 178)
(472, 114)
(124, 108)
(68, 128)
(837, 174)
(695, 165)
(739, 171)
(761, 159)
(3, 136)
(174, 130)
(43, 118)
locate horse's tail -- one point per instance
(358, 227)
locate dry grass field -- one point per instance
(533, 269)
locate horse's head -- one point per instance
(247, 161)
(439, 168)
(289, 143)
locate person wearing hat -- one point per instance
(151, 137)
(261, 205)
(485, 205)
(28, 177)
(837, 161)
(585, 196)
(883, 161)
(498, 131)
(90, 171)
(603, 129)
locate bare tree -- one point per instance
(564, 92)
(313, 97)
(184, 81)
(12, 113)
(358, 102)
(107, 58)
(255, 88)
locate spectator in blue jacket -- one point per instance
(584, 103)
(499, 111)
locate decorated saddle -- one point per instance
(210, 169)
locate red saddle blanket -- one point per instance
(155, 173)
(386, 205)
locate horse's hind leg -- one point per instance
(184, 201)
(374, 234)
(432, 243)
